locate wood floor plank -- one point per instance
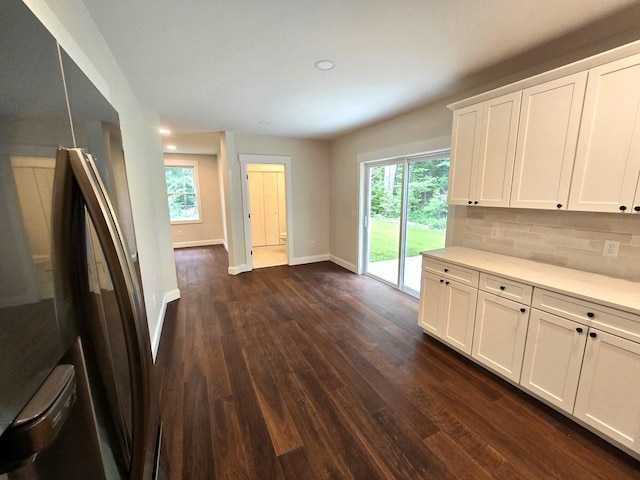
(312, 372)
(392, 460)
(283, 433)
(198, 460)
(257, 442)
(228, 446)
(355, 456)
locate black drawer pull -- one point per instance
(559, 205)
(579, 330)
(523, 310)
(502, 287)
(446, 270)
(591, 314)
(593, 334)
(623, 208)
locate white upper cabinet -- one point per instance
(547, 138)
(483, 151)
(465, 147)
(607, 163)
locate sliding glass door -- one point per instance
(406, 214)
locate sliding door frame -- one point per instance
(365, 213)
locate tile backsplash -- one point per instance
(570, 239)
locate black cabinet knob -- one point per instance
(441, 280)
(623, 208)
(591, 314)
(446, 270)
(446, 283)
(476, 202)
(502, 287)
(579, 330)
(637, 208)
(559, 205)
(469, 202)
(523, 310)
(593, 334)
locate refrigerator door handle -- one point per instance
(40, 421)
(77, 182)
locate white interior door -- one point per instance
(256, 199)
(270, 195)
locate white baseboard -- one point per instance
(237, 269)
(343, 263)
(313, 259)
(198, 243)
(155, 343)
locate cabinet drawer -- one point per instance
(518, 292)
(610, 320)
(453, 272)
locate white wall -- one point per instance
(310, 166)
(72, 26)
(209, 231)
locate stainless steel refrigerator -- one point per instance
(78, 398)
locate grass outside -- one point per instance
(384, 234)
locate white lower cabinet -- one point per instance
(552, 358)
(447, 310)
(609, 391)
(579, 356)
(499, 334)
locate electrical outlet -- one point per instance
(611, 248)
(495, 232)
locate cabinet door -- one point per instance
(547, 138)
(608, 155)
(465, 147)
(553, 357)
(431, 303)
(497, 151)
(499, 334)
(459, 314)
(609, 388)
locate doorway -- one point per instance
(268, 214)
(405, 213)
(266, 185)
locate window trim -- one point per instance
(196, 186)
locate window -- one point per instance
(182, 191)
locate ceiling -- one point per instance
(247, 66)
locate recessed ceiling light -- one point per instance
(324, 64)
(165, 131)
(171, 147)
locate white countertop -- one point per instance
(601, 289)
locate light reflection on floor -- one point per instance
(269, 256)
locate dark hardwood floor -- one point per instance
(312, 372)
